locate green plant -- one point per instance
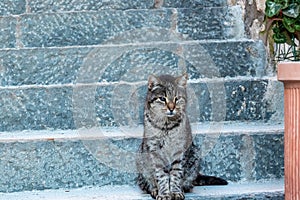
(283, 18)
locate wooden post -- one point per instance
(289, 74)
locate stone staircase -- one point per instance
(73, 80)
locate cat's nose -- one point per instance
(171, 106)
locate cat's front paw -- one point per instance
(163, 197)
(178, 196)
(154, 193)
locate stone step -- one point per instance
(16, 7)
(117, 26)
(37, 6)
(131, 62)
(76, 106)
(273, 190)
(9, 7)
(38, 160)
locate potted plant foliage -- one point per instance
(282, 18)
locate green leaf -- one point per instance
(276, 29)
(289, 24)
(292, 10)
(272, 8)
(284, 3)
(297, 27)
(279, 38)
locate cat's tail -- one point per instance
(208, 180)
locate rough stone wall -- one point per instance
(253, 15)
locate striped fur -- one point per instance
(168, 161)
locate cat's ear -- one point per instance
(182, 80)
(152, 82)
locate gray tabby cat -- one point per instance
(168, 162)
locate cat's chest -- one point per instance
(170, 141)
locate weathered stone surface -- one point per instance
(51, 164)
(38, 6)
(91, 28)
(193, 3)
(122, 104)
(231, 101)
(270, 156)
(86, 28)
(239, 157)
(7, 34)
(245, 100)
(200, 60)
(47, 66)
(15, 7)
(36, 108)
(234, 58)
(95, 5)
(40, 66)
(210, 23)
(224, 158)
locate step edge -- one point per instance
(133, 192)
(125, 132)
(137, 83)
(139, 44)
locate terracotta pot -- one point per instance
(289, 74)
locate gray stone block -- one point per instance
(43, 6)
(71, 163)
(36, 109)
(40, 66)
(211, 23)
(239, 157)
(270, 156)
(224, 159)
(38, 6)
(233, 59)
(245, 100)
(52, 165)
(130, 63)
(119, 104)
(86, 28)
(91, 28)
(193, 3)
(7, 34)
(199, 59)
(123, 104)
(15, 7)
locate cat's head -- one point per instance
(166, 95)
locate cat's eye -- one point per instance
(162, 99)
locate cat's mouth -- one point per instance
(170, 113)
